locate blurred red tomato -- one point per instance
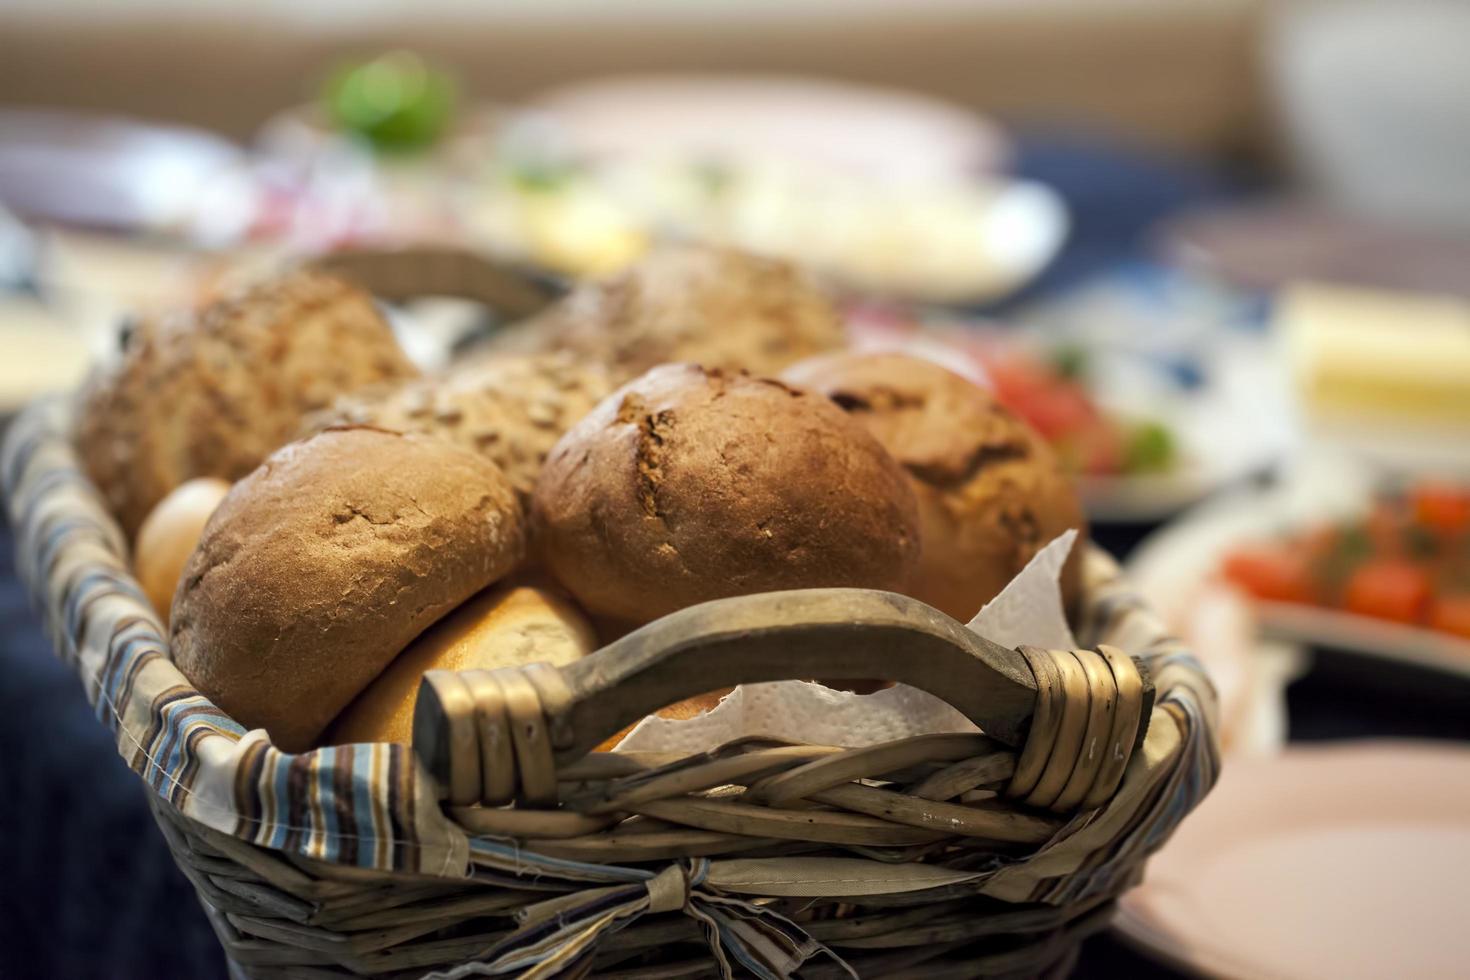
(1451, 614)
(1389, 588)
(1271, 571)
(1441, 507)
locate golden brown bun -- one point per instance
(690, 484)
(214, 394)
(680, 711)
(507, 625)
(991, 492)
(511, 409)
(323, 564)
(715, 307)
(169, 534)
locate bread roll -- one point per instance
(511, 409)
(168, 537)
(715, 307)
(691, 484)
(327, 561)
(991, 493)
(507, 625)
(214, 394)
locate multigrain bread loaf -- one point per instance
(511, 409)
(169, 535)
(323, 564)
(507, 625)
(990, 492)
(213, 394)
(690, 484)
(714, 307)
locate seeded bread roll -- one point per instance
(507, 625)
(213, 394)
(319, 567)
(716, 307)
(991, 493)
(511, 409)
(691, 484)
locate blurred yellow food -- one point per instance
(168, 535)
(1362, 352)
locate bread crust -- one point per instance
(319, 567)
(213, 394)
(511, 409)
(690, 484)
(990, 491)
(507, 625)
(711, 306)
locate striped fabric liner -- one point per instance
(362, 805)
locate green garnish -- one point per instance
(713, 176)
(1420, 541)
(542, 176)
(1150, 449)
(1070, 362)
(396, 102)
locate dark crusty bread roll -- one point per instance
(991, 492)
(690, 484)
(213, 394)
(511, 409)
(325, 562)
(715, 307)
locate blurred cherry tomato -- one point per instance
(1271, 571)
(1451, 614)
(1444, 508)
(1389, 588)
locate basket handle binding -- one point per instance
(502, 734)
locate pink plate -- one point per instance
(1341, 862)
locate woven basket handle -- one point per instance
(402, 274)
(541, 717)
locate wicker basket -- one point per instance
(506, 848)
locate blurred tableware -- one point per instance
(1263, 246)
(1375, 99)
(17, 253)
(1181, 561)
(883, 192)
(1322, 863)
(878, 133)
(106, 172)
(1366, 635)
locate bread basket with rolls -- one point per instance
(640, 642)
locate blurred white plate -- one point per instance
(1227, 431)
(1322, 863)
(886, 192)
(882, 133)
(1366, 635)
